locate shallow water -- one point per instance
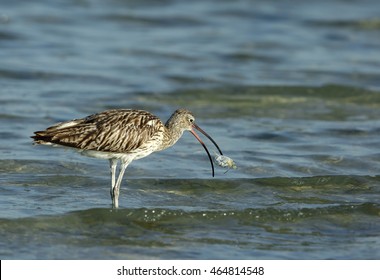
(288, 90)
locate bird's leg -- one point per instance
(116, 189)
(113, 166)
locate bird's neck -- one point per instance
(171, 135)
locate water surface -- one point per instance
(289, 90)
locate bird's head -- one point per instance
(183, 119)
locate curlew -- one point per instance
(122, 135)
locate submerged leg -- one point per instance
(113, 166)
(116, 188)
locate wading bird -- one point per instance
(122, 135)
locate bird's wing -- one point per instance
(120, 131)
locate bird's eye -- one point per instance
(191, 120)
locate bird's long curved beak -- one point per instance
(203, 144)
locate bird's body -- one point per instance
(120, 135)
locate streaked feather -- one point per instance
(121, 131)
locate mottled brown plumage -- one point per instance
(115, 131)
(123, 135)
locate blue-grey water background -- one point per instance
(289, 89)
